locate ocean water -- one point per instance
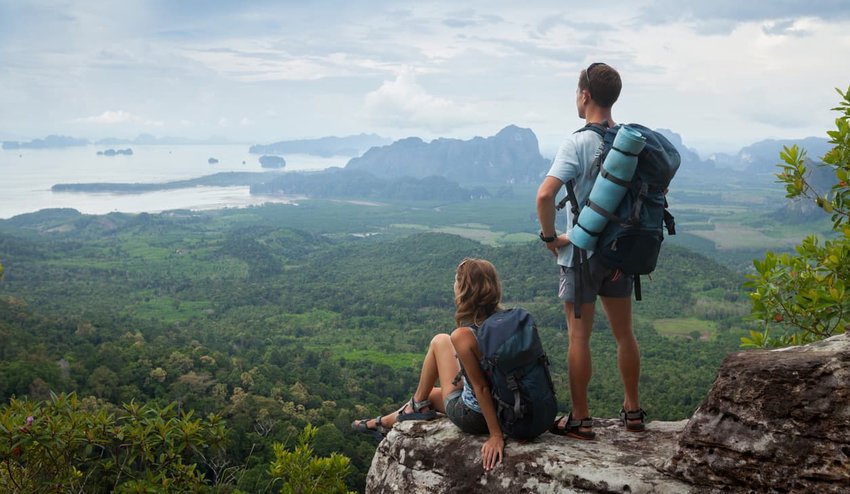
(26, 176)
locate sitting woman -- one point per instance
(469, 404)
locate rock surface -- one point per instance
(435, 457)
(774, 421)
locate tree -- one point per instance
(303, 473)
(805, 295)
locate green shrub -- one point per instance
(804, 296)
(66, 444)
(303, 473)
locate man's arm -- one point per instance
(546, 195)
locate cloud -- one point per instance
(253, 66)
(459, 23)
(117, 117)
(468, 18)
(722, 16)
(785, 27)
(405, 104)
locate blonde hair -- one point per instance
(478, 293)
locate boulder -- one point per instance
(774, 421)
(436, 457)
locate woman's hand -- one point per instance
(492, 452)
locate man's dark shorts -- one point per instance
(599, 282)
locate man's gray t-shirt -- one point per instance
(573, 162)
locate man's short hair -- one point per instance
(602, 82)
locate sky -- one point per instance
(722, 74)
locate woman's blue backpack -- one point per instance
(513, 359)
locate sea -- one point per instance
(27, 175)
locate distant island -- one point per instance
(115, 152)
(60, 141)
(333, 183)
(225, 179)
(272, 161)
(212, 161)
(325, 147)
(49, 142)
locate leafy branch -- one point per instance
(805, 295)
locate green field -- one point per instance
(687, 327)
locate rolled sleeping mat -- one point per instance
(619, 166)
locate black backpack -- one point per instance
(631, 240)
(513, 359)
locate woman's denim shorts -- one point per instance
(467, 419)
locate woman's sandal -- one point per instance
(632, 415)
(378, 432)
(573, 428)
(417, 413)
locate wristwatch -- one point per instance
(548, 239)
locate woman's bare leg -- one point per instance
(440, 363)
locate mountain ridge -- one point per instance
(512, 156)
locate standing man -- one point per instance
(598, 89)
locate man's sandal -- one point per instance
(632, 415)
(417, 413)
(378, 432)
(573, 428)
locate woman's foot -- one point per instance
(373, 427)
(416, 410)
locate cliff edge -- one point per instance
(774, 421)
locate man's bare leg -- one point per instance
(578, 358)
(619, 313)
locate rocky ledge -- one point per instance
(774, 421)
(428, 457)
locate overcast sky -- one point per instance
(721, 73)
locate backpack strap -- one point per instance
(643, 190)
(571, 198)
(598, 127)
(607, 214)
(582, 263)
(611, 178)
(514, 387)
(669, 220)
(580, 270)
(637, 286)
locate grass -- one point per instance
(170, 310)
(728, 236)
(685, 328)
(485, 236)
(392, 360)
